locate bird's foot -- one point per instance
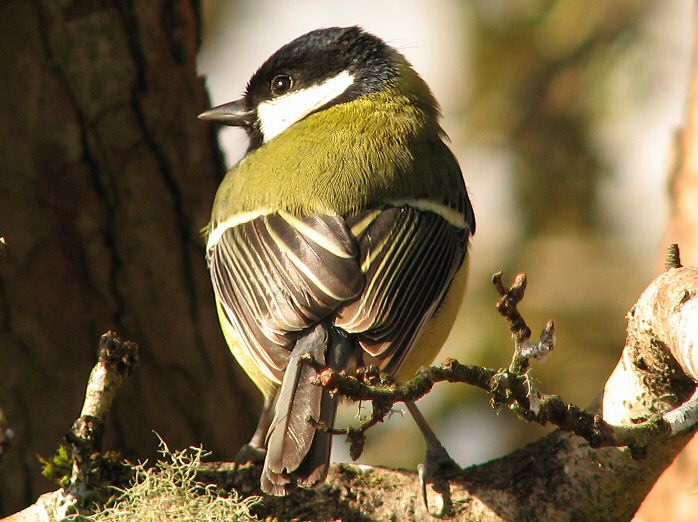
(437, 470)
(249, 454)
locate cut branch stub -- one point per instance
(672, 257)
(116, 361)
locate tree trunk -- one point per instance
(107, 178)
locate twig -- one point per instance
(511, 388)
(524, 348)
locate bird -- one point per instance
(339, 240)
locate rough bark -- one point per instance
(106, 179)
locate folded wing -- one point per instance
(408, 257)
(379, 275)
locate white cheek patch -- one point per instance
(277, 115)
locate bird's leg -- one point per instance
(438, 465)
(256, 449)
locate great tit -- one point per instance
(339, 240)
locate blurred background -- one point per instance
(562, 114)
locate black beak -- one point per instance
(233, 113)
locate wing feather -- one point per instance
(278, 276)
(409, 257)
(379, 275)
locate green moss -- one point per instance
(108, 470)
(58, 467)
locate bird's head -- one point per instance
(316, 71)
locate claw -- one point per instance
(437, 469)
(422, 474)
(249, 453)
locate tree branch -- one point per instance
(643, 403)
(644, 406)
(511, 388)
(551, 478)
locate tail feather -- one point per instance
(314, 467)
(298, 454)
(290, 434)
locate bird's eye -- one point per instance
(281, 84)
